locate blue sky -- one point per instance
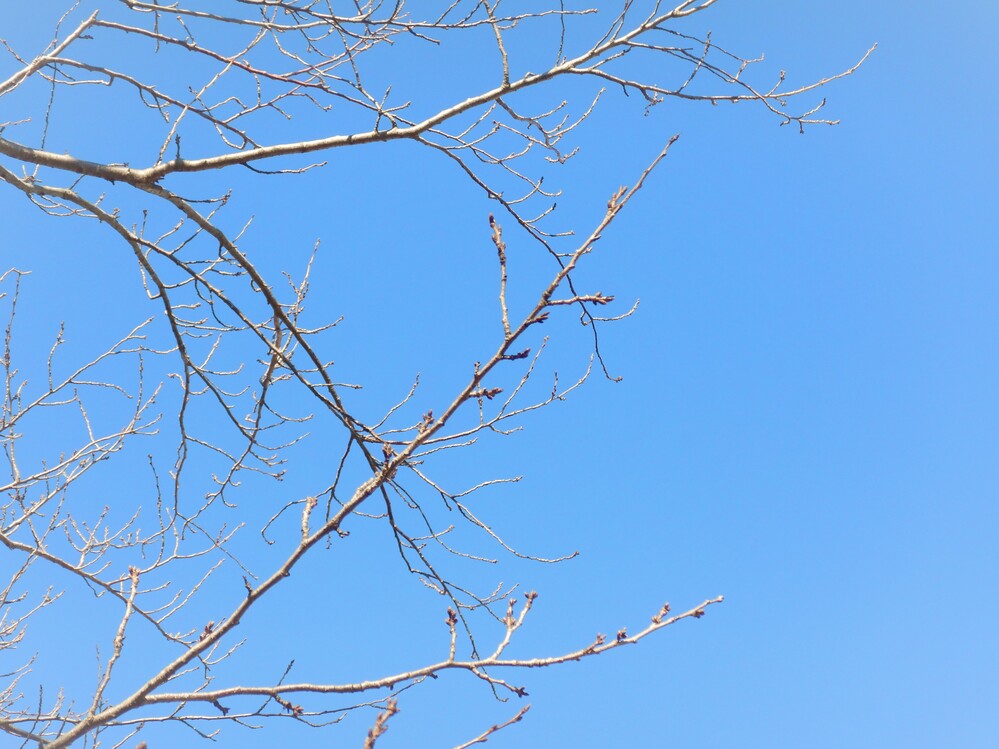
(807, 422)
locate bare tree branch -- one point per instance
(219, 385)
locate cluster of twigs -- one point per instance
(255, 85)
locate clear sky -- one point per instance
(808, 422)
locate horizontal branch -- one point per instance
(598, 646)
